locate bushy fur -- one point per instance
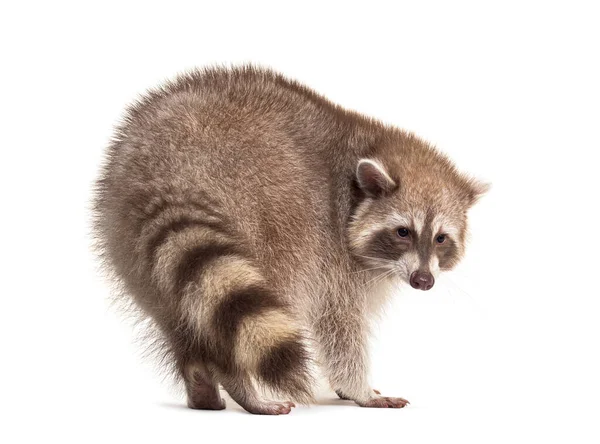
(248, 217)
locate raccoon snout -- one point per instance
(422, 280)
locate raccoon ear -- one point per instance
(372, 178)
(477, 189)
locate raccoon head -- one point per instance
(411, 220)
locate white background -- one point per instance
(504, 348)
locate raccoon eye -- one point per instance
(441, 239)
(402, 232)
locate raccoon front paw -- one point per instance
(384, 402)
(270, 408)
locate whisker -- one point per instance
(370, 269)
(387, 261)
(378, 277)
(386, 275)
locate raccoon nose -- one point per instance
(421, 280)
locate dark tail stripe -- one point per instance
(231, 311)
(239, 304)
(188, 207)
(284, 368)
(206, 207)
(197, 258)
(176, 226)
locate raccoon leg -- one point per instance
(242, 391)
(202, 390)
(343, 349)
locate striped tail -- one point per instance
(244, 329)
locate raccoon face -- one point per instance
(411, 226)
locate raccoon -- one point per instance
(260, 228)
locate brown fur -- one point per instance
(236, 213)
